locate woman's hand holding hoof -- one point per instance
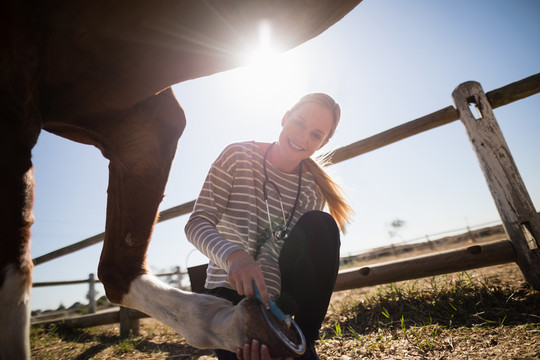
(255, 351)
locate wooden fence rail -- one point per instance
(462, 259)
(91, 276)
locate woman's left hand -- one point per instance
(255, 351)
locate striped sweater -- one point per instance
(230, 212)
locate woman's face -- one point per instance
(305, 131)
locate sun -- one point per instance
(264, 52)
(269, 74)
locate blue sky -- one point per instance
(386, 63)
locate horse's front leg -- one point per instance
(205, 321)
(140, 144)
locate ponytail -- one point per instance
(331, 191)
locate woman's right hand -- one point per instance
(243, 272)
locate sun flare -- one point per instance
(268, 74)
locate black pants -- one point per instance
(309, 263)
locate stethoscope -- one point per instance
(281, 233)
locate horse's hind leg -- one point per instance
(16, 218)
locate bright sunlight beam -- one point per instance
(265, 53)
(269, 76)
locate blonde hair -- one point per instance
(331, 191)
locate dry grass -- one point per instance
(488, 313)
(485, 314)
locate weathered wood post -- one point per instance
(520, 220)
(128, 323)
(92, 293)
(178, 277)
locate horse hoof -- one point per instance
(282, 340)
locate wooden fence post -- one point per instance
(520, 220)
(178, 277)
(128, 323)
(92, 294)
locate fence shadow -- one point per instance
(93, 351)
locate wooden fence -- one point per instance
(127, 318)
(520, 220)
(92, 281)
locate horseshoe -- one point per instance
(273, 317)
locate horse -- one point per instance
(100, 72)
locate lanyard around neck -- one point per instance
(281, 233)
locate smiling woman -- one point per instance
(259, 220)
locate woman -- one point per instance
(259, 220)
